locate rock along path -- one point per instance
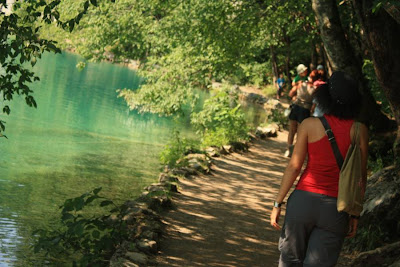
(222, 219)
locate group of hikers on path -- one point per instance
(301, 94)
(316, 223)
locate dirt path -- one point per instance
(222, 219)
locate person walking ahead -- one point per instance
(301, 106)
(313, 230)
(280, 84)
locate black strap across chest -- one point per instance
(332, 140)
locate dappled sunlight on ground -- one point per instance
(222, 219)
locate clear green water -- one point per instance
(80, 137)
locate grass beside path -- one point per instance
(222, 219)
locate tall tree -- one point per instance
(341, 57)
(287, 41)
(274, 63)
(382, 32)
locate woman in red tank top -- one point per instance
(314, 231)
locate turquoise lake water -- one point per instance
(80, 137)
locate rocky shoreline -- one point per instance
(143, 214)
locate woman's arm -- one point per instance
(313, 108)
(293, 91)
(292, 170)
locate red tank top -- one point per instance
(322, 172)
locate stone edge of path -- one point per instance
(142, 216)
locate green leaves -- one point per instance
(92, 236)
(176, 149)
(6, 109)
(71, 25)
(106, 203)
(95, 234)
(180, 45)
(222, 120)
(97, 190)
(93, 2)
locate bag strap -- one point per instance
(356, 135)
(332, 140)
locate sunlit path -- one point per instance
(222, 219)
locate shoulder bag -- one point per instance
(350, 195)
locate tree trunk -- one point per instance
(287, 41)
(314, 56)
(287, 66)
(341, 57)
(337, 48)
(382, 32)
(320, 56)
(274, 64)
(328, 64)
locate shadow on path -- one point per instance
(222, 219)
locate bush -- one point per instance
(176, 149)
(255, 73)
(90, 240)
(269, 90)
(277, 116)
(222, 120)
(250, 73)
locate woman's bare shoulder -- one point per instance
(311, 122)
(363, 127)
(314, 128)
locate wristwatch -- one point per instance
(277, 204)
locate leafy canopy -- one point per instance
(182, 45)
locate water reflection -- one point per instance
(9, 238)
(80, 137)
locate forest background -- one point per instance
(182, 46)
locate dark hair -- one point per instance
(322, 74)
(315, 75)
(339, 97)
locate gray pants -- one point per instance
(313, 232)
